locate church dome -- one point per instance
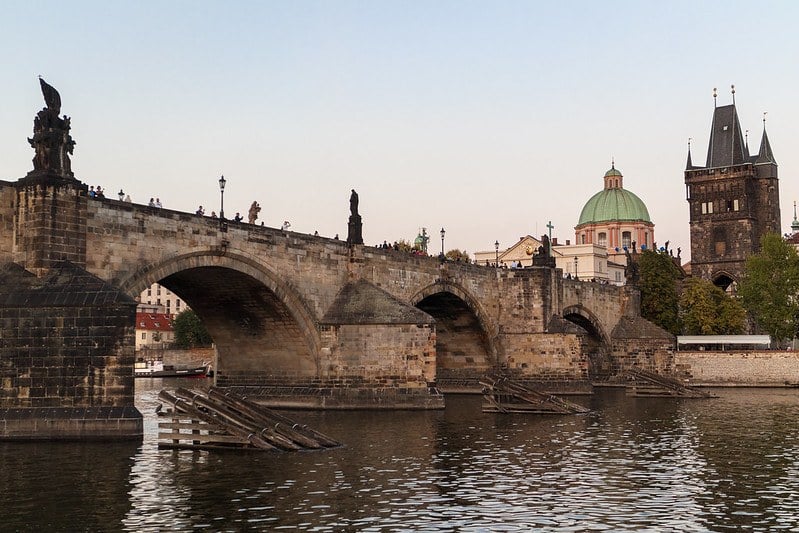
(614, 203)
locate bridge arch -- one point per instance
(586, 319)
(466, 342)
(597, 344)
(257, 320)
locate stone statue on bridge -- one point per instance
(355, 225)
(354, 203)
(252, 215)
(51, 139)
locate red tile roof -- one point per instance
(154, 321)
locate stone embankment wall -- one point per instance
(769, 368)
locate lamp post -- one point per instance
(222, 182)
(121, 195)
(575, 267)
(496, 254)
(442, 243)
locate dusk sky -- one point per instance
(486, 118)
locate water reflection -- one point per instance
(630, 464)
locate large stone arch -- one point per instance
(586, 319)
(466, 342)
(248, 274)
(597, 344)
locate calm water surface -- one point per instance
(631, 464)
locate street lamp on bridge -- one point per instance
(222, 182)
(442, 243)
(496, 254)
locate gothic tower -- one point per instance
(734, 199)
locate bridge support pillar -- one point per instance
(66, 362)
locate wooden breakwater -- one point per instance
(644, 383)
(216, 419)
(503, 395)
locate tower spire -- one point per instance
(715, 94)
(689, 164)
(765, 155)
(795, 223)
(732, 89)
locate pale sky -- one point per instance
(486, 118)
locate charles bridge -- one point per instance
(298, 318)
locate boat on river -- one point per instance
(157, 369)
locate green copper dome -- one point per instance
(613, 204)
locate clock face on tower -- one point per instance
(529, 250)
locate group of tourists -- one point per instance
(156, 202)
(252, 214)
(97, 193)
(404, 247)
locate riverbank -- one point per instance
(767, 368)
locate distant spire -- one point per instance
(613, 161)
(732, 88)
(715, 94)
(746, 136)
(689, 164)
(765, 155)
(795, 223)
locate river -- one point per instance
(630, 464)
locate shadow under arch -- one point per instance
(224, 276)
(597, 343)
(724, 280)
(583, 317)
(466, 345)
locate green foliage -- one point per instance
(190, 331)
(770, 286)
(457, 255)
(659, 295)
(707, 310)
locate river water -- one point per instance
(631, 464)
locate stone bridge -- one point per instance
(291, 309)
(291, 315)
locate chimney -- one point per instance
(568, 242)
(554, 241)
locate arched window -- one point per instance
(626, 239)
(602, 239)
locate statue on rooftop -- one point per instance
(51, 139)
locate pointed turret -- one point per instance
(689, 165)
(726, 147)
(765, 155)
(795, 223)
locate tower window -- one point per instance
(735, 206)
(602, 239)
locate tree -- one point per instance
(659, 296)
(190, 331)
(706, 309)
(770, 286)
(457, 255)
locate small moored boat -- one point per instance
(157, 369)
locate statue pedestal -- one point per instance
(355, 230)
(543, 261)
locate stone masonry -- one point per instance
(263, 293)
